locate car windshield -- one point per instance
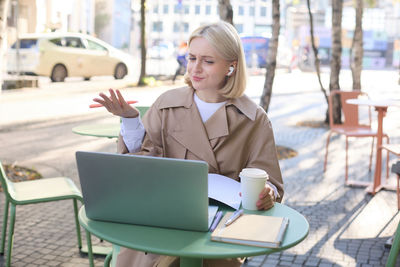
(25, 43)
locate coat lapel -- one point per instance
(217, 125)
(190, 132)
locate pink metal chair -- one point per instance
(394, 149)
(351, 126)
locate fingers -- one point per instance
(121, 99)
(114, 100)
(266, 199)
(116, 104)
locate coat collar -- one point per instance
(191, 132)
(183, 97)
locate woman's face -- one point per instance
(206, 68)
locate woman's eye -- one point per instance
(209, 62)
(192, 58)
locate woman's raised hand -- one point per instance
(116, 104)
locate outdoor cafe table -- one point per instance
(381, 107)
(191, 246)
(109, 130)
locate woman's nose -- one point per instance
(197, 66)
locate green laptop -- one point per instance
(145, 190)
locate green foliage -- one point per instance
(370, 3)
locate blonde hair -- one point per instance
(224, 38)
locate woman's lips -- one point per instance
(196, 78)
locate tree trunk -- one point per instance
(225, 11)
(315, 50)
(271, 57)
(335, 64)
(4, 6)
(142, 42)
(357, 51)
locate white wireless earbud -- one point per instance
(231, 69)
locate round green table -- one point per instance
(110, 130)
(191, 246)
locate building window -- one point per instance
(157, 26)
(166, 9)
(181, 27)
(208, 9)
(186, 9)
(177, 9)
(185, 27)
(155, 9)
(196, 9)
(263, 11)
(252, 11)
(240, 11)
(239, 28)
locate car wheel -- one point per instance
(120, 71)
(59, 73)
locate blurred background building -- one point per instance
(169, 23)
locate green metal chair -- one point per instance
(394, 250)
(33, 192)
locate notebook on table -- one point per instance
(143, 190)
(252, 230)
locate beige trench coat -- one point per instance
(238, 135)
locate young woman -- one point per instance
(210, 119)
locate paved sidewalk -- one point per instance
(348, 227)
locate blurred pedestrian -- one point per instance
(182, 60)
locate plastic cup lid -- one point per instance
(253, 173)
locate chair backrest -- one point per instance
(350, 112)
(6, 184)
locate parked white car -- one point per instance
(60, 55)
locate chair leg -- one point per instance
(394, 250)
(107, 260)
(78, 229)
(387, 160)
(398, 192)
(370, 156)
(387, 165)
(90, 249)
(4, 228)
(326, 150)
(346, 175)
(10, 235)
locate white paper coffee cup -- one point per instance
(252, 182)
